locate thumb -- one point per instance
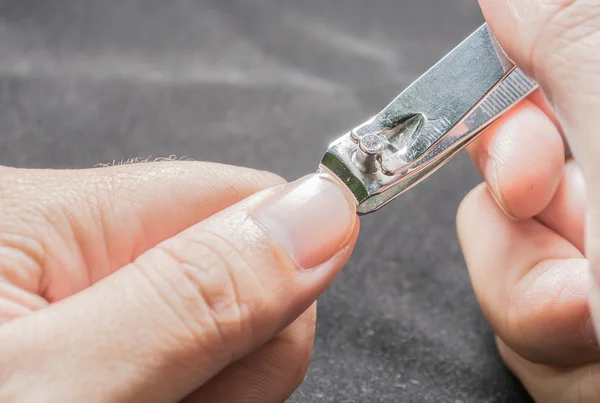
(557, 42)
(159, 328)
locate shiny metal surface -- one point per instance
(429, 123)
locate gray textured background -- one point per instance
(267, 84)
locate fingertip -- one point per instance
(521, 158)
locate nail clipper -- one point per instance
(429, 123)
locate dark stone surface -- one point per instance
(267, 84)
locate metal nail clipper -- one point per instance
(429, 123)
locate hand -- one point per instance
(148, 283)
(535, 271)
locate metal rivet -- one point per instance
(369, 150)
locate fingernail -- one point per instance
(589, 332)
(491, 174)
(312, 219)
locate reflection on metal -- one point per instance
(428, 123)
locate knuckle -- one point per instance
(226, 295)
(22, 260)
(28, 239)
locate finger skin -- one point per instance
(185, 310)
(521, 158)
(270, 374)
(530, 282)
(539, 100)
(557, 43)
(15, 302)
(553, 384)
(65, 230)
(523, 163)
(565, 214)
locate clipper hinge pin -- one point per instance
(370, 148)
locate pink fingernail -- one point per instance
(312, 219)
(589, 332)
